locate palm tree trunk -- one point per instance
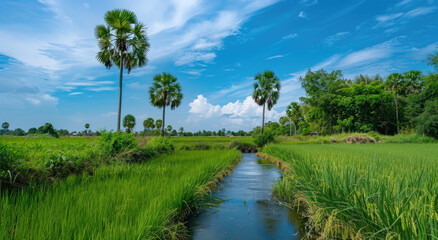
(164, 115)
(396, 111)
(290, 127)
(263, 118)
(295, 126)
(120, 92)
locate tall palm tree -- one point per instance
(266, 91)
(294, 114)
(122, 42)
(165, 91)
(393, 83)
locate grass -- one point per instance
(368, 191)
(123, 201)
(340, 138)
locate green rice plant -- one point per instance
(120, 201)
(368, 191)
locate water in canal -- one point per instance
(248, 211)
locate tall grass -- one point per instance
(370, 191)
(125, 201)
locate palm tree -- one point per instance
(87, 126)
(122, 42)
(148, 124)
(393, 83)
(295, 115)
(129, 123)
(169, 129)
(165, 91)
(158, 123)
(266, 91)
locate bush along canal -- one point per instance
(249, 210)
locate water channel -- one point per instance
(249, 210)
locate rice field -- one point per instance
(367, 191)
(121, 201)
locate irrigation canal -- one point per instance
(248, 210)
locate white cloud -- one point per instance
(336, 37)
(238, 113)
(88, 84)
(205, 110)
(109, 114)
(137, 85)
(368, 55)
(100, 89)
(420, 11)
(188, 32)
(302, 14)
(289, 36)
(276, 56)
(400, 17)
(309, 2)
(422, 53)
(75, 93)
(195, 57)
(37, 99)
(404, 2)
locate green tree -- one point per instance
(294, 113)
(266, 91)
(427, 122)
(19, 132)
(165, 91)
(394, 82)
(322, 89)
(5, 125)
(87, 126)
(181, 131)
(48, 128)
(158, 123)
(433, 60)
(32, 131)
(129, 123)
(122, 42)
(169, 129)
(148, 124)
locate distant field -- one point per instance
(123, 201)
(37, 152)
(372, 191)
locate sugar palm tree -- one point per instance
(295, 115)
(165, 91)
(122, 42)
(266, 91)
(129, 123)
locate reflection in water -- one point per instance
(248, 211)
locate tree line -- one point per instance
(400, 103)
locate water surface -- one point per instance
(249, 210)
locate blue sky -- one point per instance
(48, 71)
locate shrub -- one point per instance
(7, 156)
(117, 142)
(202, 146)
(161, 145)
(359, 139)
(243, 146)
(427, 122)
(263, 139)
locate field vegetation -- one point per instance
(120, 201)
(366, 191)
